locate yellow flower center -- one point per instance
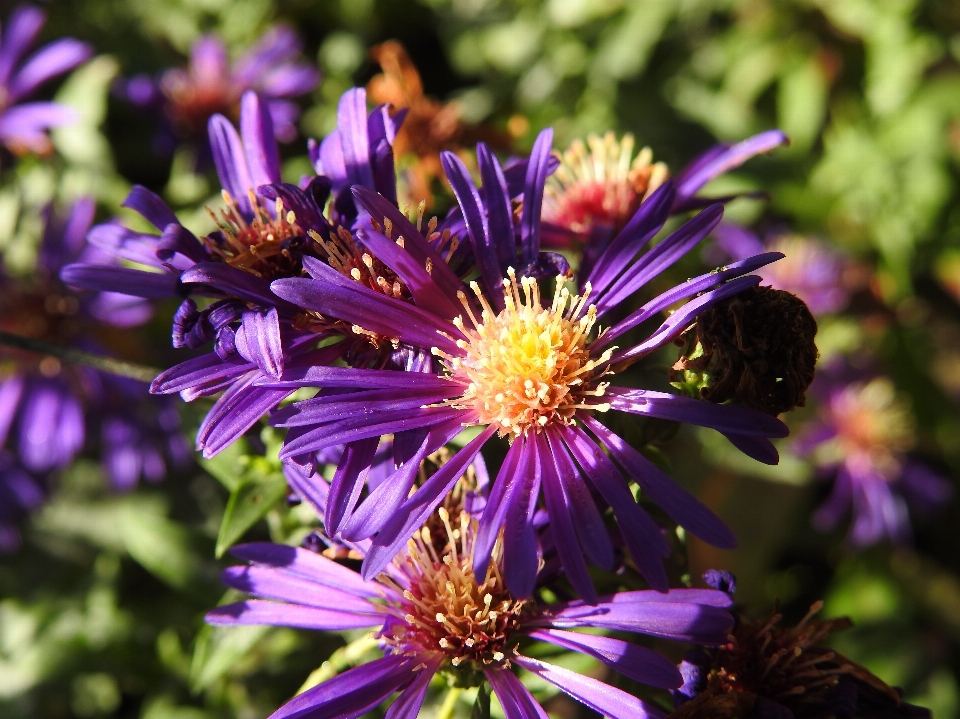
(527, 366)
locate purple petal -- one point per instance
(724, 418)
(198, 372)
(681, 506)
(23, 26)
(685, 290)
(240, 407)
(502, 495)
(307, 565)
(258, 341)
(348, 481)
(642, 227)
(122, 280)
(11, 390)
(407, 705)
(414, 512)
(319, 376)
(642, 536)
(26, 124)
(51, 427)
(233, 282)
(54, 59)
(520, 545)
(281, 614)
(603, 698)
(354, 692)
(279, 44)
(636, 662)
(516, 699)
(266, 583)
(352, 125)
(759, 448)
(151, 206)
(657, 260)
(259, 144)
(723, 159)
(289, 80)
(537, 170)
(370, 310)
(230, 160)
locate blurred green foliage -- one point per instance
(101, 612)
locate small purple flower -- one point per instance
(432, 613)
(510, 363)
(211, 85)
(810, 270)
(24, 125)
(49, 409)
(861, 439)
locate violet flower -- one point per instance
(433, 613)
(211, 84)
(861, 439)
(48, 408)
(511, 364)
(24, 125)
(810, 270)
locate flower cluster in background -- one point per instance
(504, 335)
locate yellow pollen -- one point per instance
(527, 366)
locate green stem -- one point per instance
(104, 364)
(450, 703)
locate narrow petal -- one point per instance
(230, 160)
(55, 59)
(415, 510)
(725, 158)
(496, 199)
(408, 704)
(122, 280)
(281, 614)
(723, 418)
(266, 583)
(259, 336)
(234, 413)
(259, 144)
(502, 495)
(199, 371)
(603, 698)
(352, 124)
(321, 376)
(681, 506)
(23, 26)
(306, 564)
(759, 448)
(348, 481)
(633, 661)
(537, 171)
(516, 699)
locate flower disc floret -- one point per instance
(446, 610)
(528, 366)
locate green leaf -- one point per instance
(248, 503)
(219, 649)
(481, 708)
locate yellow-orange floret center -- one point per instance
(530, 365)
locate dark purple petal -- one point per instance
(516, 699)
(681, 506)
(11, 390)
(307, 212)
(496, 198)
(234, 413)
(151, 206)
(658, 259)
(122, 280)
(642, 227)
(51, 427)
(199, 371)
(327, 408)
(425, 291)
(415, 510)
(234, 282)
(230, 160)
(259, 144)
(354, 692)
(319, 376)
(266, 583)
(258, 341)
(538, 168)
(352, 125)
(177, 239)
(561, 521)
(414, 242)
(685, 290)
(643, 537)
(676, 323)
(307, 565)
(636, 662)
(520, 546)
(279, 44)
(370, 310)
(603, 698)
(759, 448)
(27, 124)
(502, 495)
(348, 481)
(407, 705)
(289, 80)
(281, 614)
(723, 159)
(54, 59)
(22, 29)
(723, 418)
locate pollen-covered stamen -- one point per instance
(528, 366)
(263, 246)
(446, 609)
(598, 183)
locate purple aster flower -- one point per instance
(48, 409)
(599, 186)
(212, 85)
(811, 270)
(24, 125)
(433, 612)
(861, 439)
(509, 363)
